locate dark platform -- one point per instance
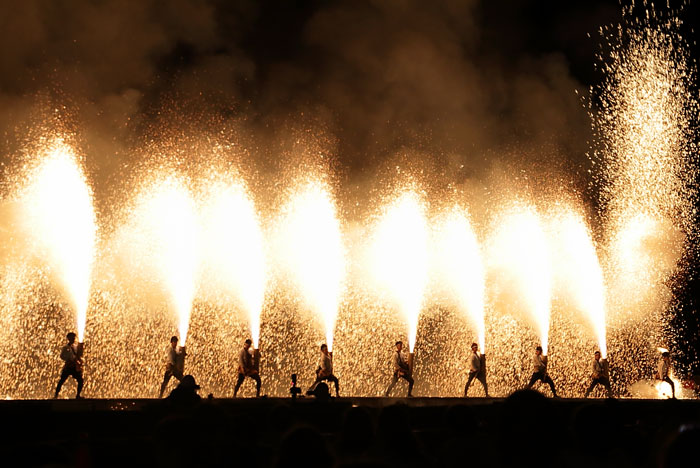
(346, 431)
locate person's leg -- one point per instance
(164, 385)
(673, 387)
(482, 379)
(241, 378)
(548, 380)
(594, 382)
(394, 379)
(409, 379)
(64, 375)
(334, 379)
(78, 376)
(313, 385)
(535, 377)
(469, 382)
(258, 383)
(606, 383)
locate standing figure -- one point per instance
(600, 375)
(663, 370)
(476, 371)
(325, 370)
(246, 368)
(402, 370)
(73, 364)
(174, 365)
(540, 371)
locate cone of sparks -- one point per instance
(58, 214)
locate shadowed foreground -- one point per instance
(525, 429)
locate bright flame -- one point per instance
(460, 267)
(311, 247)
(521, 251)
(59, 215)
(399, 257)
(578, 268)
(233, 249)
(168, 217)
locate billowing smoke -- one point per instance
(380, 76)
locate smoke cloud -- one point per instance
(461, 83)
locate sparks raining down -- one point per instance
(399, 257)
(644, 125)
(167, 220)
(311, 249)
(58, 214)
(233, 250)
(578, 270)
(460, 267)
(520, 250)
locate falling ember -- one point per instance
(312, 251)
(578, 270)
(399, 257)
(646, 132)
(520, 250)
(460, 267)
(167, 218)
(58, 213)
(233, 249)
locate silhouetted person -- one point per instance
(401, 371)
(174, 366)
(663, 370)
(475, 370)
(540, 371)
(599, 375)
(324, 371)
(247, 369)
(185, 394)
(71, 354)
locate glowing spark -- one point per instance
(399, 257)
(168, 218)
(521, 251)
(312, 250)
(460, 267)
(578, 268)
(59, 215)
(233, 249)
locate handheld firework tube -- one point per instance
(80, 351)
(482, 369)
(256, 360)
(606, 367)
(411, 357)
(181, 357)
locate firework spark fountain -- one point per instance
(57, 213)
(399, 256)
(166, 221)
(520, 250)
(647, 149)
(578, 270)
(460, 267)
(311, 249)
(233, 250)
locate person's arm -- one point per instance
(66, 354)
(397, 362)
